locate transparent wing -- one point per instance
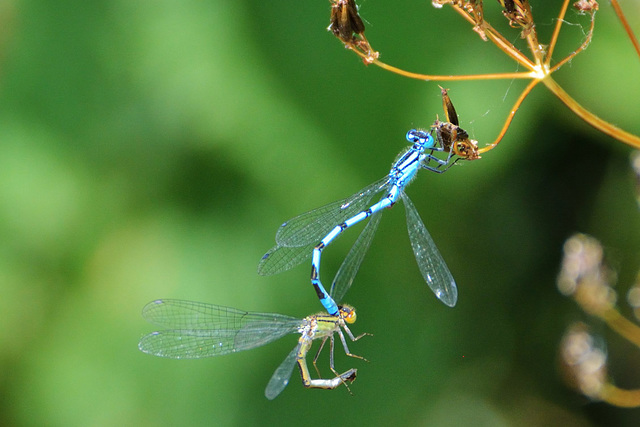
(281, 376)
(349, 268)
(431, 264)
(282, 258)
(204, 330)
(312, 226)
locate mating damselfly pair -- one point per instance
(198, 330)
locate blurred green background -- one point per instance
(150, 149)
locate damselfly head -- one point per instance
(420, 138)
(347, 313)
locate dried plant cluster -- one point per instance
(586, 278)
(347, 25)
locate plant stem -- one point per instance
(595, 121)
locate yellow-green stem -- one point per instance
(595, 121)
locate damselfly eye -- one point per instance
(413, 136)
(420, 137)
(350, 316)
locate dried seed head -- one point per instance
(586, 6)
(584, 276)
(345, 23)
(584, 360)
(519, 15)
(633, 297)
(473, 7)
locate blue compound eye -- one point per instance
(420, 137)
(412, 136)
